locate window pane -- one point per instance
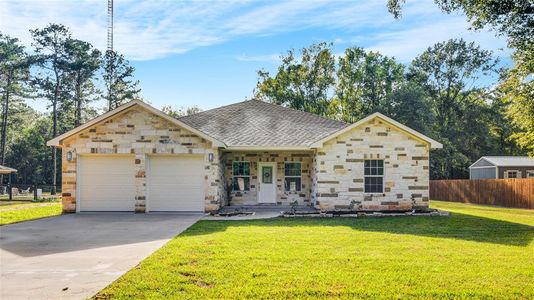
(292, 169)
(380, 163)
(267, 175)
(292, 184)
(380, 171)
(367, 163)
(241, 168)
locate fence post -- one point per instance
(34, 192)
(9, 191)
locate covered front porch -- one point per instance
(267, 179)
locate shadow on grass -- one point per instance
(457, 226)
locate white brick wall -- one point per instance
(139, 132)
(340, 169)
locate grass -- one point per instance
(19, 211)
(477, 252)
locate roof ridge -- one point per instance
(268, 103)
(300, 111)
(211, 109)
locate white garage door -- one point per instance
(106, 183)
(175, 183)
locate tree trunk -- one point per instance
(54, 134)
(5, 113)
(78, 117)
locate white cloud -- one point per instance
(407, 44)
(147, 30)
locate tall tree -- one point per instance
(50, 46)
(121, 86)
(512, 18)
(14, 76)
(83, 64)
(409, 105)
(448, 72)
(180, 112)
(301, 82)
(365, 80)
(517, 91)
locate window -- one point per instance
(292, 174)
(241, 176)
(266, 174)
(512, 174)
(530, 174)
(374, 175)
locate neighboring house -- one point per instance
(493, 167)
(136, 158)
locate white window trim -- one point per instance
(299, 188)
(508, 171)
(242, 176)
(383, 177)
(528, 173)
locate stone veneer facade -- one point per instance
(340, 169)
(139, 133)
(331, 177)
(282, 197)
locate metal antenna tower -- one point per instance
(110, 25)
(110, 53)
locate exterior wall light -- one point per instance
(69, 155)
(210, 157)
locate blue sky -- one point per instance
(207, 53)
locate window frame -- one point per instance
(517, 174)
(286, 186)
(529, 174)
(249, 176)
(382, 176)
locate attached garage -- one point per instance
(106, 183)
(175, 183)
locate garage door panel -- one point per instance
(107, 183)
(176, 183)
(104, 181)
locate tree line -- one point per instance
(67, 74)
(455, 91)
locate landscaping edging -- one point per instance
(344, 214)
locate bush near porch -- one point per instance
(477, 252)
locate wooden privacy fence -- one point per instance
(502, 192)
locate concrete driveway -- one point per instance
(75, 256)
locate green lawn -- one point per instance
(16, 211)
(477, 252)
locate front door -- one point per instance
(267, 183)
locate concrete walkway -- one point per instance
(75, 256)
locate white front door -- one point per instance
(267, 183)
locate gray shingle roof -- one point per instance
(510, 161)
(256, 123)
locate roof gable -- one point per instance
(254, 124)
(433, 144)
(57, 141)
(506, 161)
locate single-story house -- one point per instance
(137, 158)
(499, 167)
